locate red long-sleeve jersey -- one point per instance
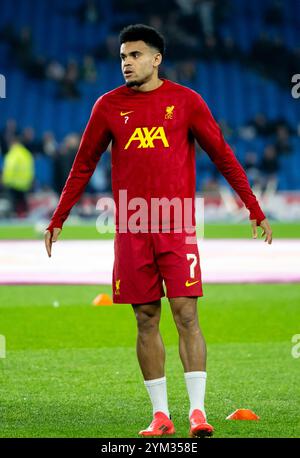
(153, 149)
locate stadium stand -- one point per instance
(59, 57)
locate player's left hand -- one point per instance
(267, 231)
(51, 237)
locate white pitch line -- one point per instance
(91, 262)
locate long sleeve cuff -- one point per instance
(257, 214)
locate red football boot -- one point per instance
(199, 426)
(161, 425)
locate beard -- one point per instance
(140, 82)
(134, 83)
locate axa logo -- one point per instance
(146, 137)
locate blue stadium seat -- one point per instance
(233, 91)
(44, 172)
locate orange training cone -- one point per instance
(243, 414)
(102, 299)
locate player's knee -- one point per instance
(147, 319)
(186, 320)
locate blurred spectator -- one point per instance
(269, 167)
(89, 70)
(156, 21)
(283, 142)
(67, 78)
(22, 47)
(274, 13)
(100, 181)
(229, 50)
(271, 58)
(282, 122)
(49, 144)
(206, 11)
(210, 49)
(186, 6)
(109, 49)
(29, 140)
(188, 20)
(64, 159)
(20, 43)
(252, 168)
(101, 178)
(55, 70)
(211, 186)
(186, 71)
(37, 67)
(89, 12)
(68, 85)
(168, 71)
(17, 177)
(7, 134)
(246, 132)
(261, 125)
(183, 42)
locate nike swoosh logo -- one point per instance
(124, 113)
(187, 283)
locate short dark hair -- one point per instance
(145, 33)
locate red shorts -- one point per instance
(144, 260)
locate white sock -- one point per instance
(157, 390)
(195, 384)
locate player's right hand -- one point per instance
(51, 237)
(267, 231)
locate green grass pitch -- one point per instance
(89, 232)
(71, 370)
